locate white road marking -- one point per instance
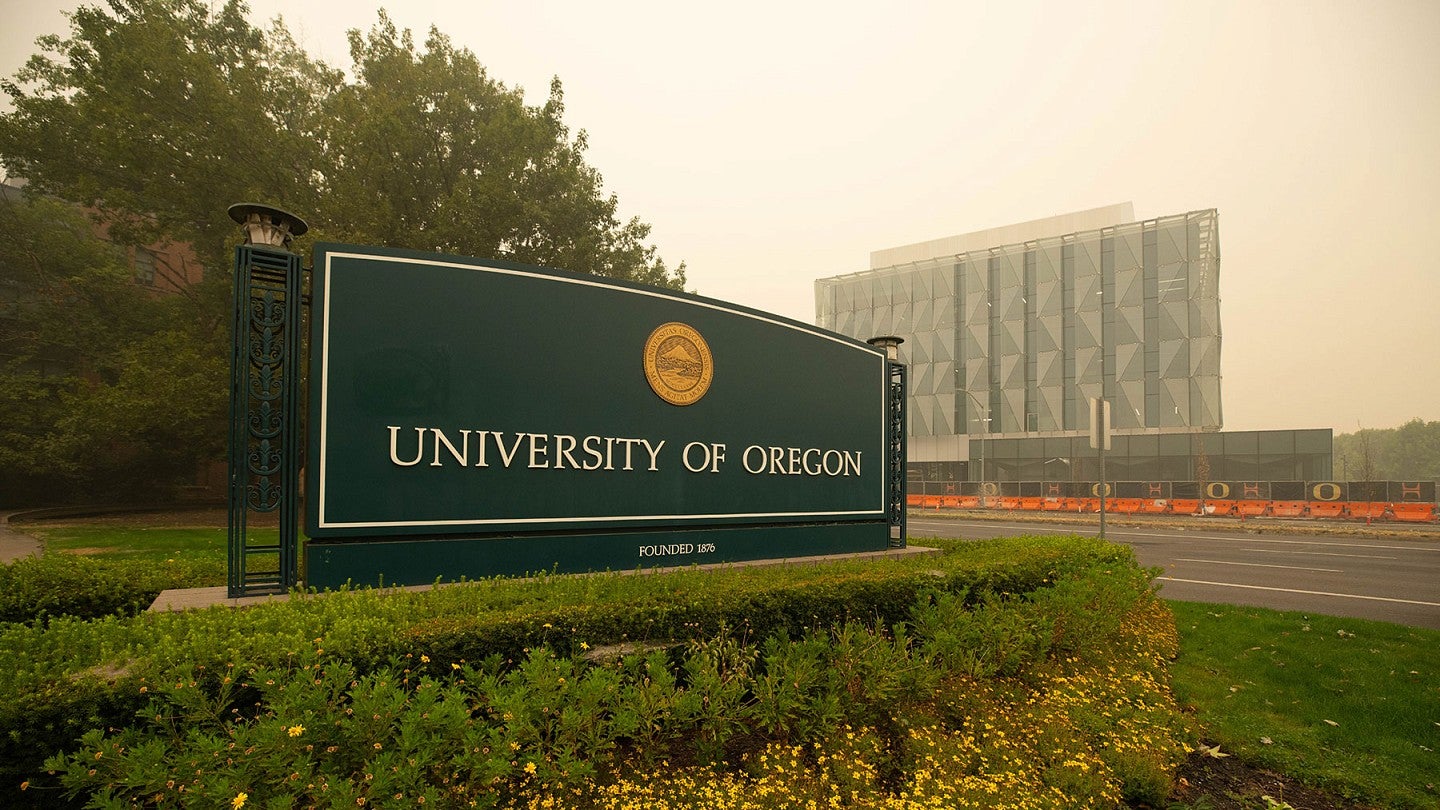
(1310, 593)
(1315, 553)
(1260, 565)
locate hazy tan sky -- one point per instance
(771, 144)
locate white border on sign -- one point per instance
(322, 523)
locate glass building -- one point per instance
(1010, 332)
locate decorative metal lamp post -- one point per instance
(896, 502)
(264, 473)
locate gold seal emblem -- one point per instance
(678, 364)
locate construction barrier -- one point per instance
(1325, 502)
(1249, 509)
(1368, 510)
(1122, 506)
(1413, 512)
(1288, 509)
(1326, 509)
(1184, 506)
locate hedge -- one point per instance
(70, 676)
(41, 589)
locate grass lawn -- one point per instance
(133, 543)
(1347, 705)
(201, 545)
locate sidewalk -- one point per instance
(15, 544)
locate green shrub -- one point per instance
(71, 675)
(38, 589)
(315, 730)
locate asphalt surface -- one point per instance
(15, 544)
(1392, 579)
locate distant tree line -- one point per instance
(1410, 452)
(155, 115)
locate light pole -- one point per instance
(985, 423)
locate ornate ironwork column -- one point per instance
(265, 400)
(895, 502)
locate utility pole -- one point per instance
(985, 425)
(1100, 440)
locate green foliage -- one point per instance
(1410, 452)
(98, 379)
(311, 727)
(466, 166)
(69, 671)
(717, 676)
(41, 589)
(164, 112)
(159, 114)
(1347, 705)
(422, 149)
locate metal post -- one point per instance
(985, 425)
(1100, 440)
(1100, 451)
(264, 444)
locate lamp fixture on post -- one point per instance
(266, 225)
(891, 345)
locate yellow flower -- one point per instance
(454, 665)
(530, 767)
(295, 731)
(239, 801)
(584, 646)
(424, 659)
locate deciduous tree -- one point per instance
(156, 115)
(106, 390)
(161, 113)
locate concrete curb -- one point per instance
(177, 599)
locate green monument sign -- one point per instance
(472, 417)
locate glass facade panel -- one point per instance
(1150, 457)
(1174, 444)
(1313, 441)
(1034, 330)
(1175, 468)
(1145, 445)
(1013, 340)
(1241, 444)
(1277, 441)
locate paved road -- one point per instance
(15, 544)
(1388, 579)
